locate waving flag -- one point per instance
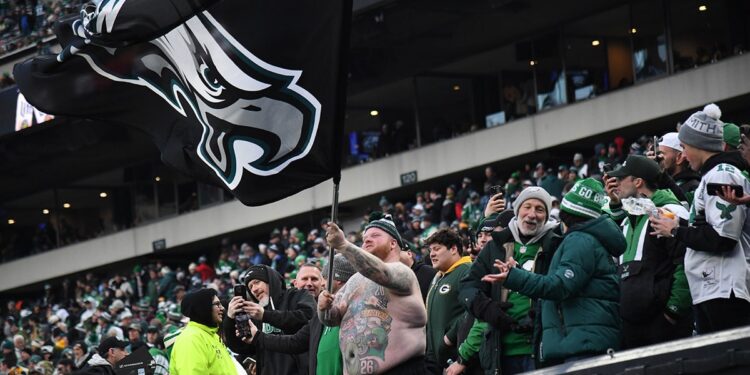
(246, 94)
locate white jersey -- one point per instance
(717, 275)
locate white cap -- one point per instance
(670, 140)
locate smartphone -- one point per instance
(715, 189)
(496, 189)
(606, 168)
(655, 145)
(240, 290)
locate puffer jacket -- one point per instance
(580, 292)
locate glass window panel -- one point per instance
(549, 72)
(598, 57)
(701, 33)
(649, 39)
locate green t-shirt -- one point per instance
(520, 343)
(330, 360)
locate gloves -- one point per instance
(493, 312)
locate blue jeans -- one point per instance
(516, 364)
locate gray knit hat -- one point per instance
(704, 130)
(385, 223)
(533, 192)
(342, 269)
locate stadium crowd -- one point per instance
(633, 246)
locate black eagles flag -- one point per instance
(248, 94)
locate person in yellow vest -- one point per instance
(198, 349)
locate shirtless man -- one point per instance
(380, 309)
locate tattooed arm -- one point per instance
(394, 276)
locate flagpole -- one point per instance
(331, 251)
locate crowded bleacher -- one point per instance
(59, 331)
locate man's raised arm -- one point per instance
(394, 276)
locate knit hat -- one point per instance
(385, 223)
(533, 192)
(732, 135)
(256, 272)
(198, 306)
(704, 130)
(342, 269)
(585, 199)
(670, 140)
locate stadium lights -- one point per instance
(456, 88)
(45, 211)
(532, 62)
(157, 178)
(374, 113)
(633, 30)
(103, 194)
(702, 8)
(11, 221)
(595, 42)
(66, 205)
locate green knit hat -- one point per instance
(732, 134)
(585, 199)
(385, 223)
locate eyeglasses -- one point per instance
(217, 304)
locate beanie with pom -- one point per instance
(704, 130)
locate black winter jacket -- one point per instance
(287, 312)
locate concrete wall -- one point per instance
(687, 90)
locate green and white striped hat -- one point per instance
(585, 199)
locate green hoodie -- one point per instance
(580, 292)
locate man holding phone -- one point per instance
(718, 237)
(276, 310)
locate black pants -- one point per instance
(658, 330)
(721, 313)
(413, 366)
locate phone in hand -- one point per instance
(240, 290)
(715, 189)
(496, 189)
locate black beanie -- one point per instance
(198, 306)
(256, 272)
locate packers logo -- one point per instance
(254, 116)
(444, 289)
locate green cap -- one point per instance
(585, 199)
(732, 134)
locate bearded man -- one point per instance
(531, 239)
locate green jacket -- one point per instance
(444, 312)
(481, 299)
(198, 351)
(580, 292)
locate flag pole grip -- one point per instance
(331, 250)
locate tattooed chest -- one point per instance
(365, 330)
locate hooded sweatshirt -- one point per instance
(288, 310)
(651, 269)
(98, 365)
(525, 253)
(198, 349)
(580, 293)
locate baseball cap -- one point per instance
(111, 342)
(638, 166)
(670, 140)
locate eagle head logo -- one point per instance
(254, 116)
